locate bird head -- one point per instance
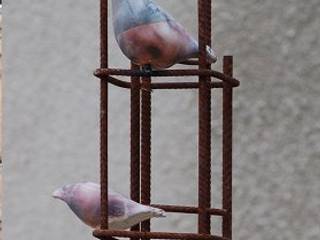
(63, 193)
(58, 193)
(83, 199)
(82, 191)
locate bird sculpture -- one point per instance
(84, 201)
(149, 36)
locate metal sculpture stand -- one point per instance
(141, 87)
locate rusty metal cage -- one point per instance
(140, 88)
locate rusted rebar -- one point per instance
(156, 235)
(141, 86)
(204, 134)
(166, 73)
(135, 141)
(227, 150)
(189, 210)
(104, 114)
(165, 85)
(146, 146)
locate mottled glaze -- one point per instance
(128, 14)
(147, 34)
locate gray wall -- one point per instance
(51, 118)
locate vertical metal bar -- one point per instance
(104, 115)
(204, 140)
(146, 147)
(135, 141)
(227, 148)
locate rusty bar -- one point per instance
(135, 141)
(120, 83)
(227, 149)
(183, 85)
(104, 115)
(164, 85)
(146, 147)
(217, 212)
(155, 235)
(188, 209)
(101, 72)
(204, 139)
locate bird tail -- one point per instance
(211, 55)
(157, 212)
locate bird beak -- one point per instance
(58, 194)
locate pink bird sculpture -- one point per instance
(84, 201)
(148, 35)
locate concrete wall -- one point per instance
(51, 118)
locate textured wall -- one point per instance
(51, 118)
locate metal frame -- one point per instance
(141, 87)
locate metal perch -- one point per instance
(140, 88)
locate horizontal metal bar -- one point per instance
(118, 82)
(155, 235)
(103, 72)
(163, 85)
(188, 209)
(183, 85)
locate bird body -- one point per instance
(148, 35)
(84, 200)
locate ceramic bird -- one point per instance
(84, 201)
(148, 35)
